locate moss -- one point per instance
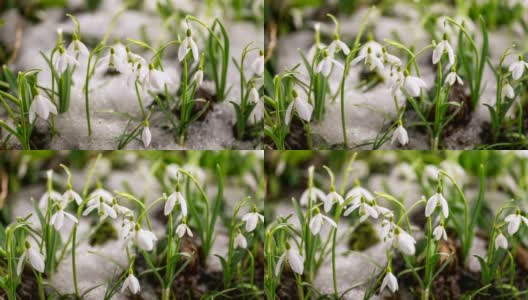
(103, 234)
(363, 237)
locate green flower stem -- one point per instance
(183, 112)
(465, 248)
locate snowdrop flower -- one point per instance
(431, 172)
(294, 259)
(390, 59)
(454, 170)
(128, 225)
(514, 222)
(132, 283)
(331, 198)
(70, 195)
(116, 59)
(146, 136)
(99, 194)
(57, 219)
(375, 48)
(405, 171)
(240, 241)
(139, 74)
(317, 222)
(198, 77)
(102, 207)
(453, 77)
(36, 259)
(157, 79)
(302, 107)
(175, 198)
(507, 91)
(365, 210)
(389, 281)
(77, 47)
(183, 229)
(444, 47)
(254, 96)
(44, 199)
(501, 242)
(172, 171)
(517, 68)
(63, 61)
(325, 65)
(387, 227)
(412, 85)
(257, 67)
(315, 194)
(382, 211)
(400, 134)
(145, 239)
(440, 233)
(119, 209)
(371, 60)
(337, 45)
(433, 202)
(251, 220)
(357, 193)
(187, 45)
(404, 241)
(42, 107)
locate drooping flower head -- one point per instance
(294, 259)
(41, 107)
(303, 108)
(317, 222)
(252, 219)
(132, 283)
(188, 45)
(444, 47)
(36, 259)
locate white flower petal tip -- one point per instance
(252, 220)
(514, 222)
(183, 229)
(405, 242)
(440, 233)
(146, 136)
(240, 241)
(41, 107)
(444, 47)
(132, 283)
(401, 135)
(433, 202)
(317, 222)
(389, 281)
(501, 242)
(517, 68)
(145, 239)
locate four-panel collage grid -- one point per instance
(263, 149)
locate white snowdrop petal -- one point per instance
(146, 136)
(296, 261)
(169, 205)
(36, 260)
(278, 266)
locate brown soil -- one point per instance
(28, 288)
(196, 281)
(288, 286)
(202, 94)
(297, 138)
(458, 94)
(456, 281)
(39, 140)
